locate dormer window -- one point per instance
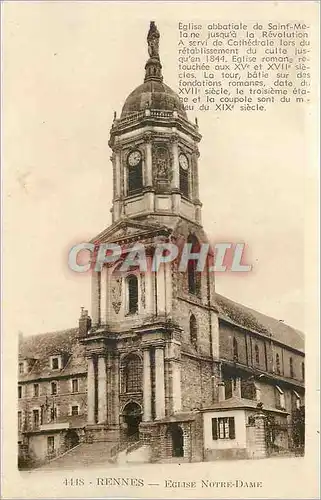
(55, 362)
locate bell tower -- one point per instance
(154, 151)
(153, 330)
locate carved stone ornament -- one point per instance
(116, 294)
(148, 136)
(161, 163)
(174, 138)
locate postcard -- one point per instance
(160, 306)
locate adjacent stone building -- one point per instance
(163, 362)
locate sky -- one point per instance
(67, 67)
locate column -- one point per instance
(195, 180)
(109, 388)
(159, 383)
(149, 295)
(161, 302)
(103, 295)
(116, 389)
(176, 197)
(117, 173)
(102, 390)
(175, 177)
(117, 185)
(95, 297)
(148, 161)
(168, 287)
(176, 386)
(147, 387)
(90, 391)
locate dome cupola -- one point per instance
(153, 93)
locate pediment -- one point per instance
(128, 229)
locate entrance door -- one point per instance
(132, 417)
(71, 439)
(177, 441)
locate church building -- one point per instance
(163, 368)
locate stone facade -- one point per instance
(162, 359)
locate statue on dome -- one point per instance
(153, 40)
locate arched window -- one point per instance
(134, 172)
(291, 368)
(193, 330)
(257, 354)
(302, 370)
(194, 276)
(132, 373)
(183, 175)
(132, 293)
(235, 350)
(277, 361)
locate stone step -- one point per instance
(83, 455)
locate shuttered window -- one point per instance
(223, 428)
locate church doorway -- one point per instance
(71, 439)
(177, 441)
(132, 417)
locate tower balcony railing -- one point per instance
(149, 113)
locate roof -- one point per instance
(152, 95)
(241, 403)
(48, 344)
(254, 320)
(41, 347)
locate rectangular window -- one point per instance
(280, 402)
(55, 363)
(223, 428)
(54, 388)
(19, 420)
(53, 414)
(50, 444)
(75, 410)
(36, 418)
(297, 400)
(36, 390)
(75, 385)
(19, 391)
(21, 368)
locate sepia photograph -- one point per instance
(156, 230)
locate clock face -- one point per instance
(134, 158)
(183, 161)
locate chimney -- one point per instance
(84, 323)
